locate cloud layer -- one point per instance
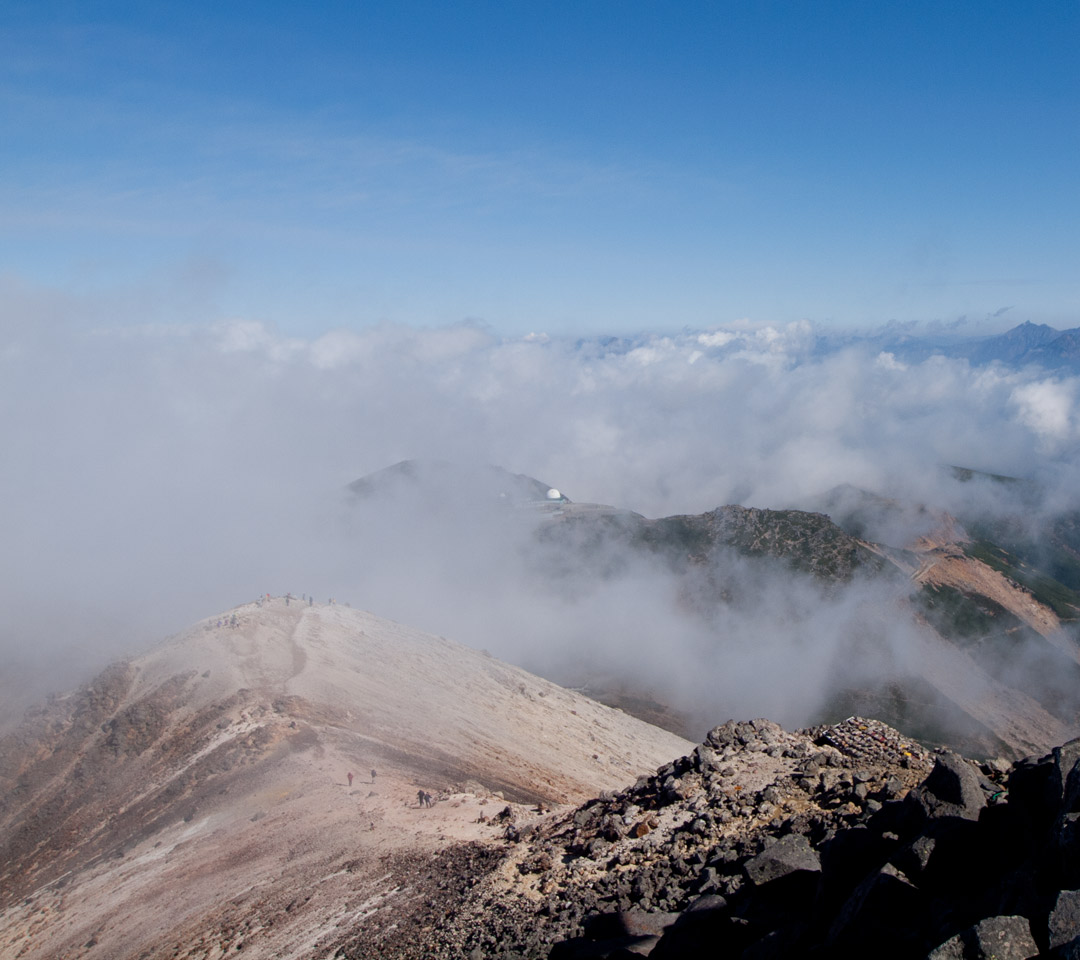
(157, 474)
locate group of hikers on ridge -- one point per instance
(423, 798)
(307, 598)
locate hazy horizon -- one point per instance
(158, 476)
(653, 256)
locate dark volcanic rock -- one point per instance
(953, 789)
(1064, 925)
(742, 861)
(881, 909)
(790, 854)
(995, 938)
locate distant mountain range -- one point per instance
(1027, 343)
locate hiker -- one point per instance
(421, 798)
(310, 601)
(372, 776)
(349, 775)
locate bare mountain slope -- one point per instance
(195, 800)
(851, 592)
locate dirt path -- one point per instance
(230, 823)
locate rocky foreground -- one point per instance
(259, 785)
(839, 841)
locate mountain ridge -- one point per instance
(992, 662)
(219, 759)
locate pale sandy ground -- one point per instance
(292, 859)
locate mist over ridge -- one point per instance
(158, 473)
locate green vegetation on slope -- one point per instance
(1063, 601)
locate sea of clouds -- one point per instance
(154, 474)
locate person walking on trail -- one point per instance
(349, 775)
(421, 798)
(372, 776)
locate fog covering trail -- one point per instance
(156, 474)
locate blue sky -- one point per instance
(561, 167)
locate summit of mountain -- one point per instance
(1026, 343)
(253, 777)
(452, 480)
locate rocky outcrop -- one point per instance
(743, 821)
(834, 842)
(973, 862)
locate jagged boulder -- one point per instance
(628, 923)
(953, 789)
(788, 855)
(1064, 925)
(883, 908)
(995, 938)
(1034, 797)
(1066, 775)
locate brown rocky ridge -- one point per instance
(255, 782)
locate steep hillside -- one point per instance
(988, 667)
(1001, 617)
(958, 641)
(846, 840)
(198, 799)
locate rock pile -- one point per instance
(839, 841)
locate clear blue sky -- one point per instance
(558, 167)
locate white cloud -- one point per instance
(153, 479)
(716, 338)
(889, 362)
(1047, 407)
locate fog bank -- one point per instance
(156, 474)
